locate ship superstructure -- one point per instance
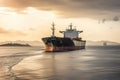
(70, 41)
(70, 32)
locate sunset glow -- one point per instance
(32, 20)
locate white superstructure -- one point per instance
(71, 33)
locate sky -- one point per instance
(31, 19)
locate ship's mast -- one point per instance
(53, 30)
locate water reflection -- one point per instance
(36, 67)
(64, 66)
(75, 65)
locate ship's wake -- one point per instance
(9, 61)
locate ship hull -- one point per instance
(59, 49)
(57, 44)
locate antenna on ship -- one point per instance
(53, 29)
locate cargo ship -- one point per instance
(70, 41)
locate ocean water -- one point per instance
(33, 63)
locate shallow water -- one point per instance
(32, 63)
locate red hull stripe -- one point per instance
(49, 48)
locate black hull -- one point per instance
(54, 44)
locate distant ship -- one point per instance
(70, 41)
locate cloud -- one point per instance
(11, 32)
(70, 8)
(3, 31)
(17, 33)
